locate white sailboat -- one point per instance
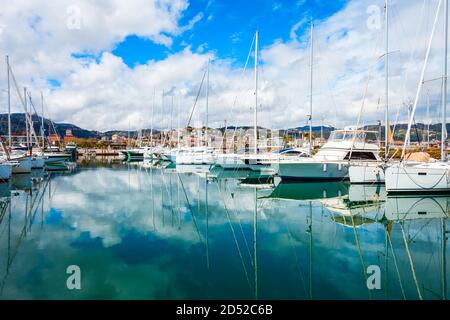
(242, 160)
(200, 155)
(24, 161)
(5, 164)
(433, 176)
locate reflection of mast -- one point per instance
(194, 220)
(444, 261)
(30, 213)
(207, 221)
(255, 244)
(411, 263)
(358, 246)
(235, 238)
(309, 230)
(153, 197)
(388, 235)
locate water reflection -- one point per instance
(149, 231)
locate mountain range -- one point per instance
(18, 128)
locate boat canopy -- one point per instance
(350, 135)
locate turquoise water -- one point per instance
(143, 232)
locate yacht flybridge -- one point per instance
(331, 162)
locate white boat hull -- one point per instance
(194, 159)
(366, 173)
(24, 165)
(231, 162)
(418, 178)
(311, 171)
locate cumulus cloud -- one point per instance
(102, 92)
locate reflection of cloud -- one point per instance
(110, 234)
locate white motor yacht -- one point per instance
(332, 161)
(196, 156)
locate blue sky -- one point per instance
(227, 27)
(102, 75)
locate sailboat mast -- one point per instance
(428, 120)
(42, 121)
(255, 133)
(386, 66)
(9, 102)
(27, 142)
(311, 88)
(151, 124)
(207, 103)
(444, 94)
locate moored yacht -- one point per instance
(418, 177)
(24, 162)
(53, 155)
(332, 160)
(196, 155)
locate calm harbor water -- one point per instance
(143, 232)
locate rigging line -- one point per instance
(366, 89)
(192, 212)
(235, 239)
(396, 265)
(240, 226)
(22, 101)
(358, 246)
(196, 98)
(412, 53)
(411, 262)
(297, 262)
(242, 73)
(422, 76)
(31, 118)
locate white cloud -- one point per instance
(105, 93)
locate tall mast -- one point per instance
(26, 119)
(444, 94)
(42, 121)
(427, 138)
(311, 61)
(9, 103)
(207, 103)
(386, 66)
(255, 133)
(151, 125)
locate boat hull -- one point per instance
(57, 158)
(24, 165)
(311, 171)
(421, 178)
(37, 163)
(366, 173)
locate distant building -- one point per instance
(54, 138)
(118, 139)
(69, 137)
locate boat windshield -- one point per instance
(358, 136)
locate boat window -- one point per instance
(358, 155)
(343, 135)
